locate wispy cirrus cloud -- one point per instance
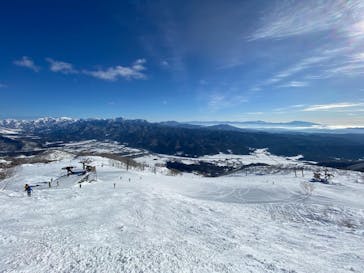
(332, 106)
(167, 43)
(302, 65)
(254, 113)
(165, 64)
(337, 56)
(296, 68)
(218, 101)
(290, 107)
(351, 66)
(135, 71)
(28, 63)
(345, 69)
(294, 84)
(325, 64)
(61, 67)
(337, 107)
(292, 18)
(348, 63)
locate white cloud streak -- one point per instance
(325, 107)
(337, 107)
(255, 113)
(218, 101)
(292, 18)
(300, 66)
(343, 57)
(135, 71)
(290, 107)
(61, 67)
(329, 63)
(28, 63)
(294, 84)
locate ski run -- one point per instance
(150, 221)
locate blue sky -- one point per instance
(184, 60)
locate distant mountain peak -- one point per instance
(258, 124)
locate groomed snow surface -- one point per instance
(157, 223)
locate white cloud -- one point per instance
(218, 101)
(290, 107)
(165, 64)
(292, 18)
(2, 85)
(346, 69)
(351, 66)
(135, 71)
(357, 29)
(325, 107)
(61, 67)
(302, 65)
(255, 113)
(28, 63)
(351, 110)
(342, 58)
(255, 88)
(324, 64)
(293, 84)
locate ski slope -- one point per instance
(158, 223)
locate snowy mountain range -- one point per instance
(183, 139)
(260, 124)
(36, 123)
(49, 121)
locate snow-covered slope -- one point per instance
(261, 156)
(133, 221)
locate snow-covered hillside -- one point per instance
(147, 221)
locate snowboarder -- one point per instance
(28, 189)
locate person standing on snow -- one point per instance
(28, 189)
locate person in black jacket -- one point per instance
(28, 189)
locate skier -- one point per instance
(28, 189)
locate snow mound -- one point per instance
(56, 155)
(3, 161)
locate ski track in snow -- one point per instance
(158, 223)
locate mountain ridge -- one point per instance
(47, 121)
